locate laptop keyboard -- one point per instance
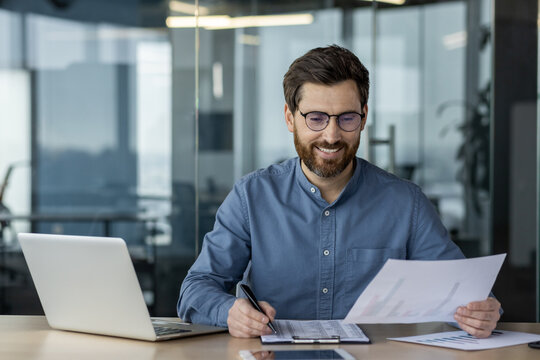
(162, 328)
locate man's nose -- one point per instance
(332, 132)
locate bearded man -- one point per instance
(316, 228)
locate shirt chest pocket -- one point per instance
(364, 264)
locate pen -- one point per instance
(253, 300)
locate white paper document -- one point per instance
(326, 330)
(463, 341)
(414, 291)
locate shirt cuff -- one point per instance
(223, 312)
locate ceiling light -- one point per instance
(393, 2)
(191, 21)
(227, 22)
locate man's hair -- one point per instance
(327, 66)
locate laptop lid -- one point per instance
(88, 284)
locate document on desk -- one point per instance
(463, 341)
(314, 331)
(414, 291)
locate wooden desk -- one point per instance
(29, 337)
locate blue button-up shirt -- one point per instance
(309, 259)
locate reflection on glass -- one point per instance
(100, 110)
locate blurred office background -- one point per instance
(133, 118)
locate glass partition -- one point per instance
(419, 91)
(85, 139)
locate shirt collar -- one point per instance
(314, 191)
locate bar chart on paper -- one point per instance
(424, 291)
(400, 308)
(463, 341)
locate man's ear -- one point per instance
(289, 118)
(364, 120)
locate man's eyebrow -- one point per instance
(342, 112)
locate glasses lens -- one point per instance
(316, 120)
(349, 121)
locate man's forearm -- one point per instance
(203, 301)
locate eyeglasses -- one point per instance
(318, 121)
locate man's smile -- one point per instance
(329, 153)
(327, 150)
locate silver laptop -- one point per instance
(88, 284)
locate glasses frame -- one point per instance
(362, 115)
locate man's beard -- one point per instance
(325, 168)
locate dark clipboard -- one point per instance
(310, 341)
(296, 340)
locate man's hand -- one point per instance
(244, 321)
(479, 318)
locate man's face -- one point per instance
(328, 152)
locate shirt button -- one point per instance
(327, 212)
(326, 252)
(325, 290)
(312, 189)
